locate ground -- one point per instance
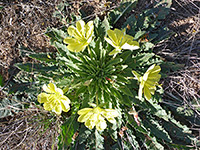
(23, 23)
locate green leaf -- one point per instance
(44, 57)
(69, 128)
(147, 46)
(139, 34)
(99, 140)
(62, 49)
(143, 58)
(157, 110)
(31, 67)
(156, 129)
(7, 106)
(83, 134)
(122, 79)
(98, 47)
(124, 89)
(124, 8)
(133, 123)
(177, 133)
(153, 144)
(165, 3)
(1, 81)
(80, 90)
(113, 61)
(1, 7)
(101, 28)
(56, 35)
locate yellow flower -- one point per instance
(148, 81)
(54, 99)
(96, 117)
(119, 40)
(81, 36)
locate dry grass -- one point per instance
(32, 129)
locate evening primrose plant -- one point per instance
(103, 82)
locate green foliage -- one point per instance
(1, 81)
(1, 7)
(69, 128)
(125, 7)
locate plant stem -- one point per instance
(97, 98)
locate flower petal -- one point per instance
(140, 91)
(110, 113)
(72, 31)
(84, 111)
(131, 45)
(101, 125)
(89, 29)
(69, 40)
(89, 124)
(50, 88)
(58, 109)
(43, 97)
(147, 93)
(80, 25)
(76, 47)
(112, 36)
(110, 42)
(48, 106)
(119, 35)
(111, 120)
(84, 117)
(65, 105)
